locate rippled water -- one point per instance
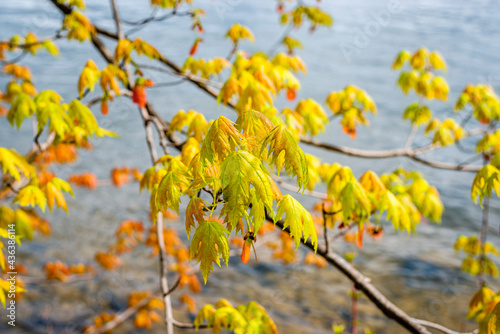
(417, 272)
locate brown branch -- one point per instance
(163, 275)
(384, 154)
(149, 135)
(296, 189)
(116, 18)
(325, 228)
(442, 328)
(364, 284)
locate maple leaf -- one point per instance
(139, 96)
(22, 107)
(122, 51)
(53, 191)
(254, 124)
(88, 180)
(221, 138)
(208, 245)
(119, 176)
(485, 181)
(354, 200)
(107, 260)
(169, 191)
(88, 78)
(205, 313)
(298, 219)
(479, 301)
(194, 211)
(82, 116)
(417, 114)
(280, 140)
(49, 110)
(237, 32)
(31, 195)
(314, 116)
(401, 58)
(13, 163)
(396, 211)
(189, 301)
(238, 171)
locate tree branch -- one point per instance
(442, 328)
(116, 17)
(163, 275)
(384, 154)
(364, 284)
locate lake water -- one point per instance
(420, 272)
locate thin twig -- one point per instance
(325, 229)
(442, 328)
(276, 44)
(163, 275)
(411, 136)
(291, 187)
(483, 236)
(149, 135)
(383, 154)
(116, 17)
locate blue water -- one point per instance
(358, 50)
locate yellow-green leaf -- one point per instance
(209, 244)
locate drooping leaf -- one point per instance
(209, 244)
(22, 107)
(479, 300)
(169, 191)
(53, 191)
(284, 149)
(254, 124)
(485, 181)
(239, 171)
(31, 195)
(354, 200)
(14, 164)
(221, 139)
(298, 219)
(194, 211)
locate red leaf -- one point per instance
(139, 96)
(194, 48)
(291, 94)
(350, 131)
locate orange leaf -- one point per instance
(107, 260)
(291, 94)
(88, 180)
(139, 96)
(119, 176)
(246, 250)
(104, 107)
(189, 301)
